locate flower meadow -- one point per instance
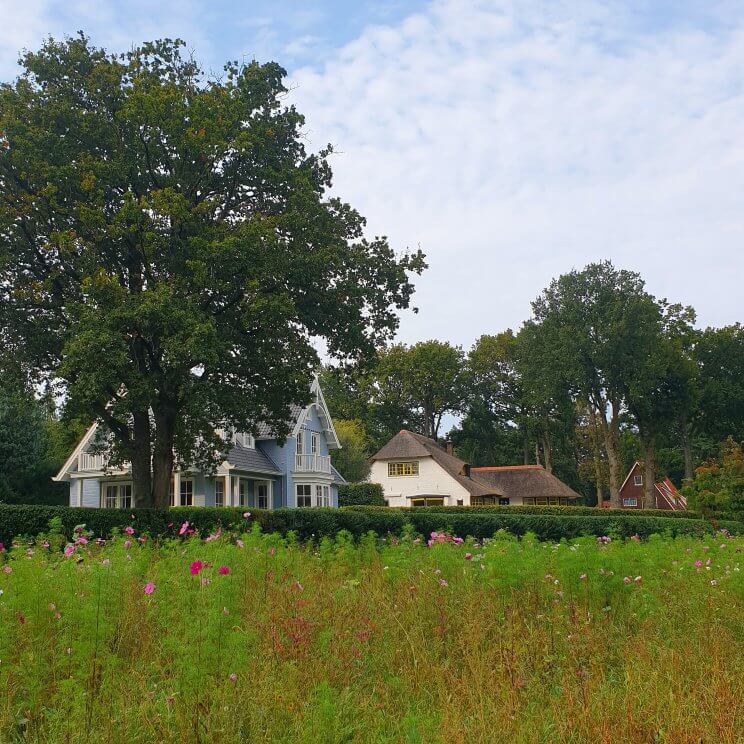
(253, 637)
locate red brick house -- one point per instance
(632, 494)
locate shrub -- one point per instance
(18, 520)
(361, 494)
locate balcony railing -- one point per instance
(313, 463)
(90, 462)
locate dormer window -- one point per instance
(245, 439)
(300, 442)
(638, 480)
(396, 469)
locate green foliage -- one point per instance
(718, 488)
(361, 494)
(306, 524)
(352, 460)
(372, 640)
(156, 221)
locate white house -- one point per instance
(416, 471)
(257, 471)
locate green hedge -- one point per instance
(19, 520)
(573, 511)
(361, 494)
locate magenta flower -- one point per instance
(233, 677)
(81, 541)
(69, 550)
(129, 530)
(183, 529)
(443, 582)
(468, 556)
(698, 563)
(127, 544)
(223, 570)
(196, 567)
(7, 569)
(149, 587)
(246, 515)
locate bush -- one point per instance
(361, 494)
(563, 511)
(30, 520)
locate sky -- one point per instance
(511, 141)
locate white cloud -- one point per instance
(515, 141)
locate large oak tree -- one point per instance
(169, 252)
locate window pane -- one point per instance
(187, 492)
(219, 492)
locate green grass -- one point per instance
(374, 641)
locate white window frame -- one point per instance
(638, 480)
(219, 483)
(258, 486)
(313, 444)
(398, 469)
(300, 442)
(306, 494)
(326, 495)
(186, 485)
(630, 502)
(122, 499)
(242, 492)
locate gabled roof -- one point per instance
(518, 481)
(408, 444)
(337, 477)
(253, 460)
(671, 495)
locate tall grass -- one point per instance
(373, 641)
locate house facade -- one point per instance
(257, 471)
(632, 494)
(416, 471)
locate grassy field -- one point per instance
(262, 640)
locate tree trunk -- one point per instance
(141, 460)
(594, 439)
(162, 459)
(687, 451)
(649, 474)
(547, 446)
(537, 452)
(610, 434)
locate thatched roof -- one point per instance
(519, 481)
(409, 445)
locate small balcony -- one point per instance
(88, 462)
(312, 463)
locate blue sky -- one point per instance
(511, 140)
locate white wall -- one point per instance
(432, 480)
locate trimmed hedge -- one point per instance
(18, 520)
(361, 494)
(563, 511)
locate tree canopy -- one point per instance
(169, 252)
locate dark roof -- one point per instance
(265, 431)
(337, 477)
(409, 444)
(254, 460)
(524, 480)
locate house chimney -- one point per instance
(449, 447)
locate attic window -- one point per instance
(396, 469)
(638, 480)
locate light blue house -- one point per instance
(257, 472)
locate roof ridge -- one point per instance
(492, 468)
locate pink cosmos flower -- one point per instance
(223, 570)
(69, 550)
(240, 543)
(205, 581)
(196, 567)
(81, 541)
(627, 580)
(582, 577)
(127, 544)
(298, 586)
(2, 547)
(106, 562)
(7, 569)
(468, 556)
(233, 677)
(638, 579)
(183, 529)
(698, 563)
(149, 587)
(443, 582)
(246, 515)
(272, 551)
(129, 530)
